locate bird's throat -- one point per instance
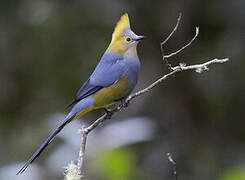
(131, 52)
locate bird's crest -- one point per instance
(122, 24)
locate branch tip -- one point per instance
(172, 32)
(183, 47)
(197, 30)
(174, 164)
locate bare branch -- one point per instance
(185, 46)
(176, 69)
(80, 163)
(173, 162)
(173, 31)
(165, 57)
(166, 40)
(147, 89)
(200, 67)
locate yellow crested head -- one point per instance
(124, 40)
(121, 26)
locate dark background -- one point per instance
(49, 48)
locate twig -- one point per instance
(176, 69)
(169, 36)
(199, 67)
(165, 57)
(173, 31)
(173, 162)
(185, 46)
(182, 67)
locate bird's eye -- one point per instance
(128, 39)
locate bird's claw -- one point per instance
(108, 113)
(125, 103)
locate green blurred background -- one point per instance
(49, 48)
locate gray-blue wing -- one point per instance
(86, 90)
(107, 72)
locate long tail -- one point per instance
(45, 144)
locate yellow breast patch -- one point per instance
(109, 94)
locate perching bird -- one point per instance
(112, 80)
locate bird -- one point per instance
(113, 79)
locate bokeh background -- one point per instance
(49, 48)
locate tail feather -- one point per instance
(45, 144)
(71, 104)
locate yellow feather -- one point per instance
(122, 24)
(117, 42)
(84, 111)
(108, 95)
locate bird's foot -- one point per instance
(108, 113)
(125, 103)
